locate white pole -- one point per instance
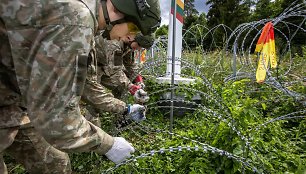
(178, 38)
(177, 45)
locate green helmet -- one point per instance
(144, 41)
(144, 13)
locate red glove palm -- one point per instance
(139, 81)
(133, 88)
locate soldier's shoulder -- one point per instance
(115, 44)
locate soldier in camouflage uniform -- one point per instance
(110, 62)
(119, 73)
(44, 47)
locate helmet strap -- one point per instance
(119, 21)
(109, 26)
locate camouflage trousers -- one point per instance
(30, 149)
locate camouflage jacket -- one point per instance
(95, 94)
(43, 69)
(116, 63)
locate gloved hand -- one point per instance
(139, 94)
(136, 112)
(120, 150)
(139, 81)
(141, 84)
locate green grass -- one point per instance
(243, 105)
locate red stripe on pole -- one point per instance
(178, 16)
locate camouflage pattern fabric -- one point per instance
(10, 96)
(116, 64)
(131, 68)
(106, 66)
(110, 62)
(32, 151)
(91, 114)
(45, 70)
(101, 98)
(96, 95)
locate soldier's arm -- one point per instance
(102, 100)
(131, 67)
(55, 87)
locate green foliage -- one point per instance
(264, 10)
(12, 167)
(189, 21)
(193, 30)
(230, 12)
(162, 31)
(279, 143)
(189, 8)
(243, 105)
(279, 146)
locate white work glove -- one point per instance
(136, 112)
(120, 150)
(139, 94)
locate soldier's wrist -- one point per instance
(126, 110)
(106, 144)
